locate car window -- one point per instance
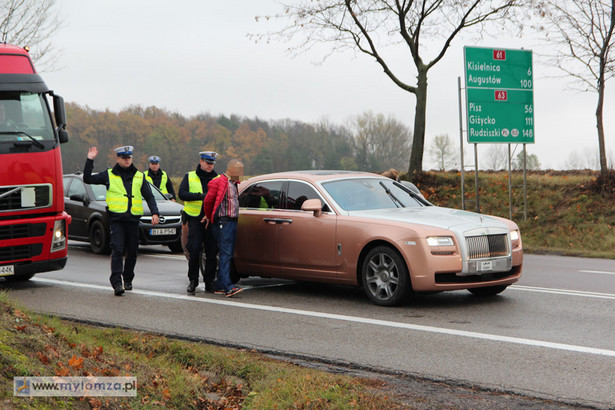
(369, 193)
(262, 195)
(66, 184)
(77, 187)
(299, 192)
(100, 192)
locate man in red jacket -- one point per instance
(221, 206)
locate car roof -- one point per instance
(314, 175)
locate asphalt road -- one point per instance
(550, 336)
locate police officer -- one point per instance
(159, 177)
(125, 192)
(192, 191)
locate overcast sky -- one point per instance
(194, 56)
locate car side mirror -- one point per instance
(168, 195)
(80, 198)
(312, 205)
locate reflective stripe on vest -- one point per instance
(117, 199)
(193, 208)
(163, 182)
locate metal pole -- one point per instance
(476, 176)
(463, 196)
(509, 184)
(524, 184)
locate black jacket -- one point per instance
(102, 178)
(184, 188)
(157, 179)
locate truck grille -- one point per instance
(22, 231)
(487, 246)
(17, 198)
(11, 253)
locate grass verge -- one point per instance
(170, 373)
(568, 213)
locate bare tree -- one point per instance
(370, 26)
(380, 143)
(443, 152)
(497, 157)
(30, 23)
(583, 31)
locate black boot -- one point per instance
(118, 290)
(192, 287)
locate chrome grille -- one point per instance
(16, 198)
(486, 246)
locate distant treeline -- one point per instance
(263, 146)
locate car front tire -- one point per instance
(99, 238)
(385, 277)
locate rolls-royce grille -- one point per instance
(486, 246)
(15, 198)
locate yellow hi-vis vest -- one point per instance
(193, 208)
(117, 199)
(163, 182)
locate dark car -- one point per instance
(86, 205)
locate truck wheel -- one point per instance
(385, 277)
(488, 291)
(99, 238)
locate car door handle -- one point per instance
(277, 221)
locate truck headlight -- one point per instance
(58, 241)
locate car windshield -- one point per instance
(360, 194)
(100, 193)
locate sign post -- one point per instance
(500, 101)
(499, 95)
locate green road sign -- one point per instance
(499, 95)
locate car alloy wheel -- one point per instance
(385, 276)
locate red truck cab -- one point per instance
(33, 223)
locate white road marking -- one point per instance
(564, 292)
(598, 271)
(356, 319)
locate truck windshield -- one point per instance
(24, 117)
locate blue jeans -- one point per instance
(225, 233)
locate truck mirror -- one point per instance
(63, 135)
(58, 111)
(60, 116)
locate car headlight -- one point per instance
(440, 241)
(515, 238)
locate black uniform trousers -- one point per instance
(124, 239)
(199, 239)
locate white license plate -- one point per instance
(162, 231)
(486, 266)
(7, 270)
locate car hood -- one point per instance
(165, 208)
(445, 218)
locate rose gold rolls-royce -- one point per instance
(362, 229)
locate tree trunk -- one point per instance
(418, 138)
(600, 124)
